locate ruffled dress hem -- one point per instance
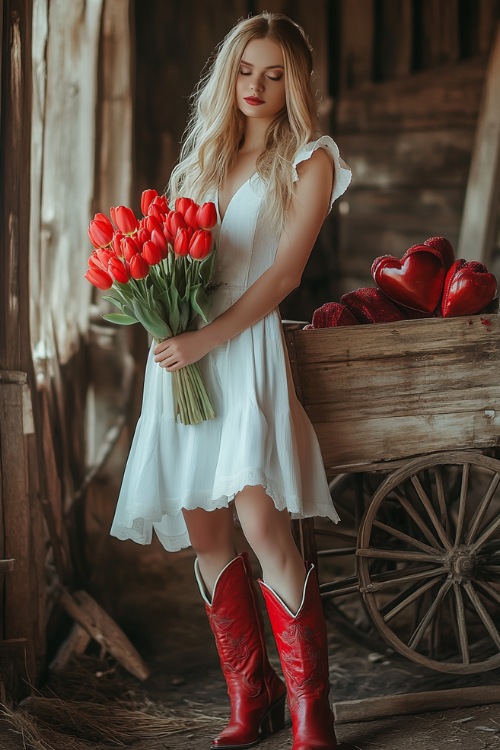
(129, 528)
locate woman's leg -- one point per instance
(269, 533)
(256, 693)
(212, 538)
(294, 605)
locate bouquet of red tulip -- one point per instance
(158, 270)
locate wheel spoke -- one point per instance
(417, 520)
(462, 503)
(419, 632)
(487, 533)
(404, 537)
(493, 593)
(383, 582)
(483, 507)
(430, 512)
(483, 614)
(348, 585)
(462, 629)
(399, 554)
(409, 600)
(442, 499)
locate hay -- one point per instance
(90, 706)
(112, 725)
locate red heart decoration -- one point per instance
(444, 246)
(332, 314)
(370, 305)
(415, 281)
(468, 288)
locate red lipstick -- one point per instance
(253, 100)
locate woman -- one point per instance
(253, 147)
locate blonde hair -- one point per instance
(216, 126)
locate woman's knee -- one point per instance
(210, 532)
(266, 529)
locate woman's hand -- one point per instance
(181, 350)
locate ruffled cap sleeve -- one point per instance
(342, 170)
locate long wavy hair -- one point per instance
(216, 126)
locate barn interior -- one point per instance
(95, 97)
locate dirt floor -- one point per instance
(153, 596)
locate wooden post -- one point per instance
(483, 187)
(16, 382)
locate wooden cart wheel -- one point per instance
(336, 546)
(437, 603)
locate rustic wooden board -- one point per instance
(477, 233)
(390, 391)
(417, 158)
(18, 616)
(354, 27)
(427, 100)
(394, 43)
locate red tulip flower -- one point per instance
(207, 216)
(118, 270)
(175, 221)
(182, 205)
(155, 211)
(181, 243)
(117, 243)
(151, 253)
(201, 244)
(159, 240)
(191, 217)
(152, 222)
(99, 278)
(162, 203)
(139, 268)
(100, 231)
(167, 233)
(147, 198)
(104, 257)
(129, 248)
(125, 219)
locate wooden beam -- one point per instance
(368, 709)
(483, 187)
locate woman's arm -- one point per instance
(307, 212)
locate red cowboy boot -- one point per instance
(256, 693)
(302, 645)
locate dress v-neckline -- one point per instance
(221, 218)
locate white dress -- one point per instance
(261, 435)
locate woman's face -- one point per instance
(260, 86)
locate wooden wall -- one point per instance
(407, 78)
(65, 146)
(400, 84)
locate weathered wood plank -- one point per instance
(390, 391)
(354, 43)
(385, 439)
(18, 616)
(410, 159)
(424, 101)
(366, 709)
(394, 39)
(114, 131)
(404, 338)
(480, 213)
(437, 32)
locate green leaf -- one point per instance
(120, 319)
(151, 321)
(199, 301)
(114, 302)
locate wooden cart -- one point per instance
(408, 419)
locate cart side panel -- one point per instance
(395, 390)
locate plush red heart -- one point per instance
(332, 314)
(468, 288)
(415, 281)
(370, 305)
(444, 246)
